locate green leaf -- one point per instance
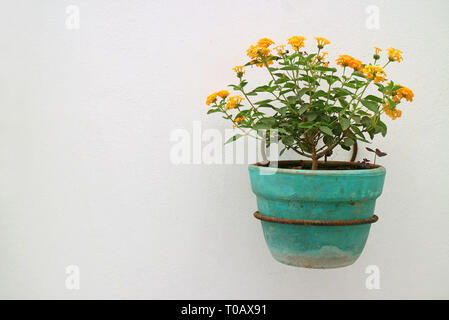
(366, 121)
(234, 138)
(261, 89)
(340, 92)
(264, 101)
(326, 130)
(358, 74)
(213, 111)
(311, 116)
(326, 69)
(331, 79)
(382, 128)
(301, 92)
(290, 85)
(303, 108)
(343, 102)
(243, 113)
(265, 123)
(348, 142)
(374, 98)
(290, 68)
(371, 105)
(319, 93)
(292, 99)
(281, 80)
(344, 123)
(283, 111)
(288, 140)
(267, 105)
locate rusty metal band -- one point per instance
(373, 219)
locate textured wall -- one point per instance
(86, 177)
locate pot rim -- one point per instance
(378, 170)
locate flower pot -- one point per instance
(316, 219)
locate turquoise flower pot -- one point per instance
(316, 219)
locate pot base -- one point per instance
(319, 262)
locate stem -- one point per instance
(314, 160)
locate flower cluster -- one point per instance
(374, 72)
(213, 97)
(393, 113)
(233, 102)
(261, 53)
(322, 42)
(403, 92)
(296, 42)
(239, 71)
(394, 54)
(348, 61)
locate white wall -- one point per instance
(85, 172)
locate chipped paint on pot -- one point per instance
(316, 195)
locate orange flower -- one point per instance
(223, 94)
(395, 54)
(211, 98)
(233, 101)
(238, 69)
(391, 112)
(320, 57)
(280, 49)
(322, 42)
(296, 42)
(403, 92)
(237, 120)
(257, 53)
(264, 43)
(374, 72)
(348, 61)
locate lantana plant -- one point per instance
(313, 106)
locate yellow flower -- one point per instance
(348, 61)
(395, 54)
(280, 49)
(233, 101)
(252, 52)
(211, 98)
(376, 55)
(238, 120)
(322, 42)
(374, 72)
(265, 43)
(320, 57)
(296, 42)
(403, 92)
(223, 94)
(256, 53)
(238, 69)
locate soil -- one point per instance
(322, 165)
